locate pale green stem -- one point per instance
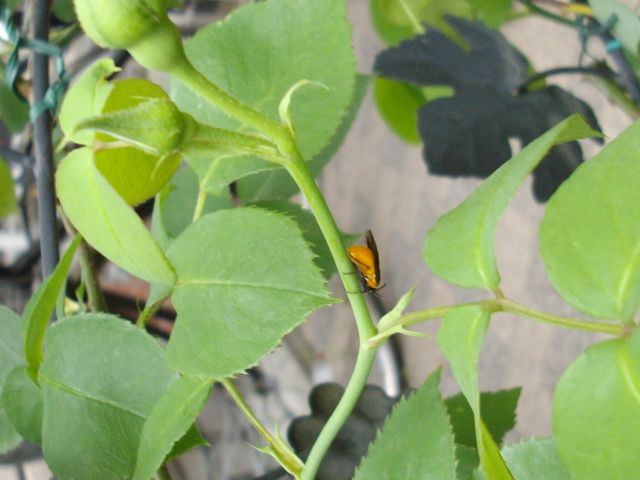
(494, 305)
(148, 312)
(285, 456)
(415, 23)
(202, 198)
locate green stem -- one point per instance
(148, 312)
(352, 393)
(277, 447)
(190, 77)
(494, 305)
(545, 13)
(201, 200)
(89, 277)
(617, 95)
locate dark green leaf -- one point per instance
(192, 439)
(468, 134)
(256, 282)
(596, 411)
(460, 246)
(259, 52)
(467, 459)
(106, 222)
(14, 111)
(22, 400)
(11, 341)
(415, 442)
(100, 379)
(590, 234)
(63, 9)
(39, 309)
(498, 411)
(277, 183)
(169, 420)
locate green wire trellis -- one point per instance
(55, 91)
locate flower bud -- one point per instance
(140, 26)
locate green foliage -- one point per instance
(596, 412)
(535, 459)
(460, 337)
(11, 339)
(106, 221)
(416, 440)
(100, 379)
(259, 274)
(170, 418)
(39, 309)
(398, 103)
(14, 112)
(492, 12)
(259, 52)
(22, 400)
(594, 212)
(460, 246)
(8, 204)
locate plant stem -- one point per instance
(90, 278)
(544, 13)
(200, 202)
(43, 147)
(598, 72)
(351, 395)
(495, 305)
(417, 27)
(278, 448)
(617, 95)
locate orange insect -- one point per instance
(366, 260)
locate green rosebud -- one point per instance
(140, 26)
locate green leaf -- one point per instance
(8, 204)
(14, 112)
(277, 183)
(22, 400)
(169, 420)
(416, 440)
(460, 337)
(596, 411)
(85, 99)
(460, 246)
(497, 409)
(397, 20)
(39, 309)
(397, 311)
(590, 236)
(310, 231)
(63, 9)
(11, 340)
(398, 104)
(260, 50)
(627, 25)
(100, 378)
(467, 461)
(492, 12)
(535, 459)
(107, 222)
(192, 439)
(177, 201)
(256, 283)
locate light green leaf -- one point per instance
(100, 378)
(535, 459)
(460, 337)
(176, 203)
(590, 236)
(627, 26)
(169, 420)
(263, 48)
(22, 400)
(11, 340)
(277, 183)
(460, 246)
(398, 104)
(397, 20)
(86, 98)
(497, 409)
(416, 441)
(256, 283)
(492, 12)
(107, 222)
(8, 204)
(310, 231)
(596, 411)
(397, 311)
(39, 309)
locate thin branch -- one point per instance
(595, 71)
